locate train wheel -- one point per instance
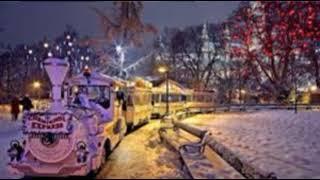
(104, 156)
(107, 149)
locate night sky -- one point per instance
(25, 22)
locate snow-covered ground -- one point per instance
(9, 130)
(276, 141)
(141, 156)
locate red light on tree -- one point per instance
(291, 12)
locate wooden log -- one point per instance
(165, 138)
(192, 130)
(243, 167)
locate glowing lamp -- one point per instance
(313, 88)
(162, 69)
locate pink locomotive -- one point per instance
(77, 133)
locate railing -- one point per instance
(251, 107)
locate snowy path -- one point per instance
(8, 131)
(140, 155)
(277, 141)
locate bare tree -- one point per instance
(186, 58)
(123, 26)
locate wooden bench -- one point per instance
(197, 147)
(194, 155)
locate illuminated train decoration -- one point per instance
(77, 133)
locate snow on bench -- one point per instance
(192, 152)
(243, 167)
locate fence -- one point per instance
(251, 107)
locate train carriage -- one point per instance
(177, 98)
(202, 101)
(138, 104)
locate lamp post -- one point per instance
(243, 98)
(36, 86)
(120, 52)
(313, 88)
(164, 70)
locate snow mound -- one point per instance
(276, 141)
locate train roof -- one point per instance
(139, 82)
(95, 79)
(160, 86)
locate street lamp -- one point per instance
(36, 84)
(313, 88)
(243, 97)
(45, 45)
(118, 49)
(164, 70)
(120, 52)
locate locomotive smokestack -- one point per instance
(56, 70)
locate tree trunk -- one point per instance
(316, 66)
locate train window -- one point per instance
(164, 98)
(155, 98)
(183, 98)
(202, 98)
(143, 99)
(130, 101)
(175, 98)
(148, 98)
(98, 94)
(120, 95)
(172, 98)
(136, 99)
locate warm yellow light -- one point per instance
(243, 91)
(162, 69)
(313, 88)
(36, 84)
(76, 89)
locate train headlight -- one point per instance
(81, 152)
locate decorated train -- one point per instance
(89, 115)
